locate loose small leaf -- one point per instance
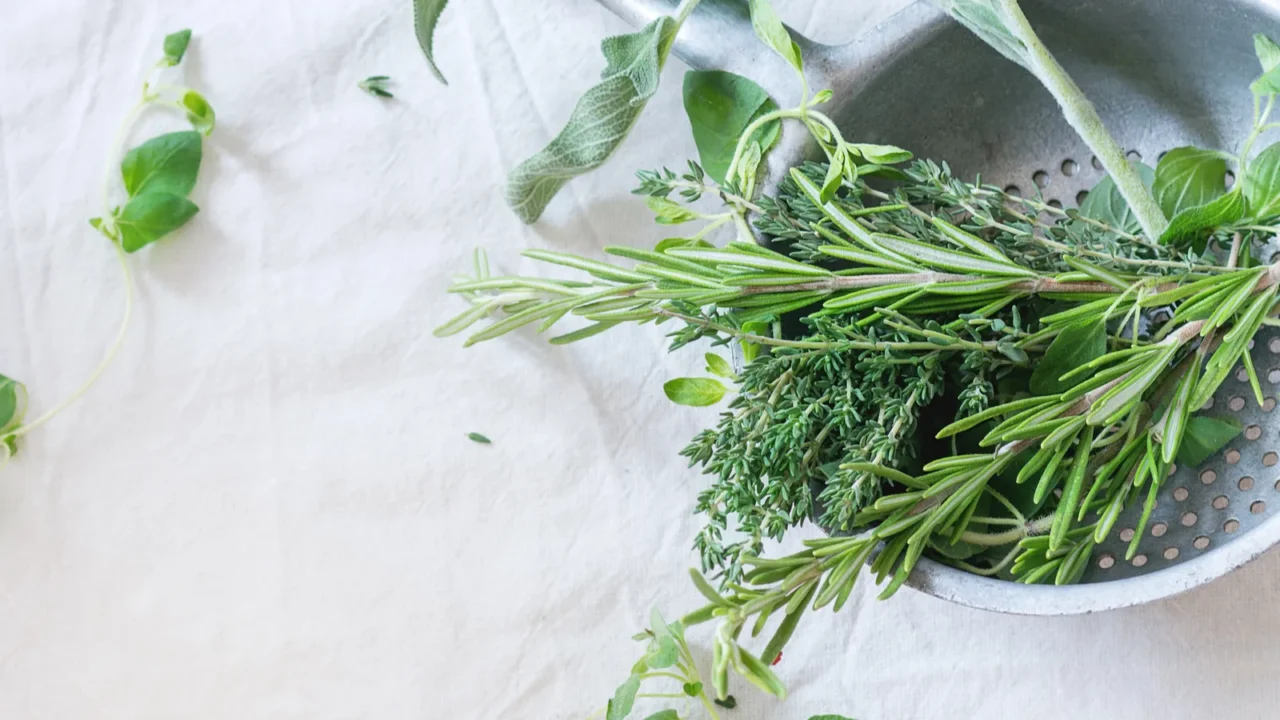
(1076, 345)
(426, 14)
(199, 113)
(668, 212)
(169, 163)
(1262, 183)
(881, 154)
(1204, 437)
(720, 106)
(694, 392)
(478, 438)
(717, 365)
(1193, 222)
(150, 216)
(599, 122)
(1188, 177)
(729, 702)
(624, 698)
(1106, 205)
(772, 32)
(376, 85)
(175, 46)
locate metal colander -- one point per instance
(1162, 74)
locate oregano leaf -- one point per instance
(881, 154)
(772, 32)
(175, 46)
(599, 122)
(669, 212)
(1268, 52)
(13, 404)
(168, 163)
(426, 15)
(720, 106)
(199, 112)
(717, 365)
(150, 216)
(694, 392)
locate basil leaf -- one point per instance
(720, 105)
(13, 404)
(1189, 223)
(717, 365)
(669, 212)
(1204, 437)
(1076, 345)
(199, 112)
(1189, 177)
(426, 14)
(1105, 203)
(150, 216)
(599, 122)
(624, 698)
(175, 46)
(167, 164)
(1262, 183)
(772, 32)
(881, 154)
(694, 392)
(1268, 52)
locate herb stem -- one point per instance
(1083, 116)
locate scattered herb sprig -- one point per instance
(156, 177)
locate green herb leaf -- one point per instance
(1268, 52)
(199, 112)
(426, 14)
(693, 689)
(829, 717)
(835, 176)
(667, 714)
(985, 19)
(720, 107)
(478, 438)
(166, 164)
(13, 404)
(1193, 222)
(772, 32)
(150, 216)
(729, 702)
(717, 365)
(175, 46)
(1189, 177)
(880, 154)
(664, 653)
(668, 212)
(694, 392)
(1105, 203)
(623, 699)
(1204, 437)
(1262, 183)
(600, 121)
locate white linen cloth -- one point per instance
(268, 508)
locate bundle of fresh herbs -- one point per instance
(928, 366)
(157, 178)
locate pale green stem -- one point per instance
(1035, 527)
(1083, 116)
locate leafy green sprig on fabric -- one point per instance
(156, 178)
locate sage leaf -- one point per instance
(13, 404)
(476, 437)
(772, 32)
(1106, 205)
(985, 19)
(1189, 177)
(599, 122)
(720, 106)
(175, 46)
(199, 112)
(1192, 222)
(1262, 183)
(624, 698)
(880, 154)
(694, 392)
(1204, 437)
(168, 164)
(717, 365)
(150, 216)
(426, 14)
(1077, 345)
(669, 212)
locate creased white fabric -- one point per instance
(268, 508)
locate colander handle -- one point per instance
(718, 36)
